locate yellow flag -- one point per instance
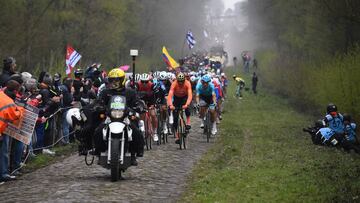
(168, 59)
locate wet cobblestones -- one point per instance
(160, 177)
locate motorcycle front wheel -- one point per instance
(114, 161)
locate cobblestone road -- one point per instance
(160, 177)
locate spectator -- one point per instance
(254, 82)
(8, 70)
(240, 83)
(255, 64)
(33, 98)
(17, 147)
(11, 112)
(67, 102)
(50, 104)
(235, 61)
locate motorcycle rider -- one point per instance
(116, 78)
(334, 119)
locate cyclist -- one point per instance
(160, 93)
(205, 96)
(224, 82)
(180, 96)
(146, 90)
(219, 94)
(334, 119)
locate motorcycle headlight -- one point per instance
(117, 113)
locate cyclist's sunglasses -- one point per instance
(144, 82)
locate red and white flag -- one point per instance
(72, 57)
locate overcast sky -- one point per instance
(230, 3)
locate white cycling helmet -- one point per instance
(193, 78)
(137, 77)
(73, 113)
(163, 75)
(156, 74)
(145, 77)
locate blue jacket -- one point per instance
(335, 123)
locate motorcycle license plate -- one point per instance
(118, 102)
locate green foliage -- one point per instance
(262, 155)
(315, 85)
(36, 32)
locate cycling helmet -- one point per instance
(193, 79)
(78, 73)
(331, 108)
(234, 76)
(180, 77)
(206, 78)
(117, 78)
(156, 74)
(73, 113)
(145, 77)
(137, 77)
(222, 74)
(163, 75)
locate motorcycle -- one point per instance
(116, 133)
(322, 135)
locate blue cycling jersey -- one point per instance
(200, 90)
(335, 123)
(326, 133)
(350, 132)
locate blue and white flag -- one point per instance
(190, 39)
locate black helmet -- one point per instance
(346, 117)
(331, 108)
(78, 73)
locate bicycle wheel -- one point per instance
(159, 128)
(151, 132)
(182, 131)
(148, 130)
(208, 126)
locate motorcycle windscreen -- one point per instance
(118, 102)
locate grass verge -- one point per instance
(262, 155)
(42, 160)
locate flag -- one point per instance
(190, 39)
(71, 59)
(124, 67)
(168, 59)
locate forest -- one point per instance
(36, 32)
(309, 50)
